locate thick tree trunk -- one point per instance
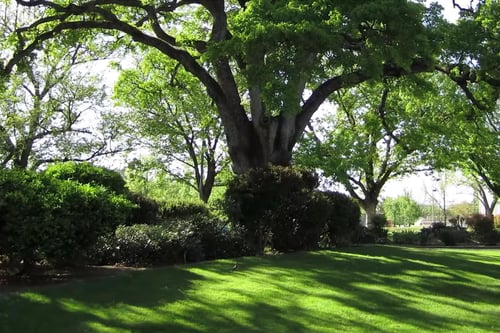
(258, 144)
(370, 208)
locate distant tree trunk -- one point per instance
(488, 205)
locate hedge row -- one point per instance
(78, 213)
(177, 241)
(43, 218)
(481, 231)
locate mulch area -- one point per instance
(41, 278)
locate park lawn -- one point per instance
(360, 289)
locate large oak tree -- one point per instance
(267, 64)
(258, 60)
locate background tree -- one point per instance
(50, 108)
(402, 210)
(470, 135)
(145, 177)
(257, 58)
(171, 115)
(379, 132)
(472, 63)
(463, 209)
(484, 195)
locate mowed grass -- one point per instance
(361, 289)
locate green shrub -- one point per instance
(86, 173)
(147, 211)
(343, 213)
(406, 237)
(205, 238)
(483, 229)
(23, 209)
(299, 222)
(43, 218)
(175, 209)
(379, 223)
(447, 235)
(266, 204)
(178, 241)
(80, 214)
(142, 244)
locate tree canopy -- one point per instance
(268, 65)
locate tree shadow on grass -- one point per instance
(372, 289)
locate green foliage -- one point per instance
(175, 209)
(343, 223)
(379, 131)
(275, 40)
(483, 229)
(86, 173)
(143, 177)
(138, 244)
(23, 208)
(177, 241)
(147, 210)
(299, 221)
(54, 220)
(439, 234)
(265, 201)
(80, 213)
(401, 210)
(278, 207)
(463, 209)
(405, 236)
(170, 111)
(45, 99)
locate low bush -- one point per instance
(405, 237)
(377, 233)
(445, 234)
(147, 211)
(86, 173)
(270, 205)
(299, 222)
(184, 240)
(379, 223)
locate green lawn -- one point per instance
(365, 289)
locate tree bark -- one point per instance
(370, 208)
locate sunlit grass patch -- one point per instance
(365, 289)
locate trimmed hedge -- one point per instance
(175, 209)
(42, 218)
